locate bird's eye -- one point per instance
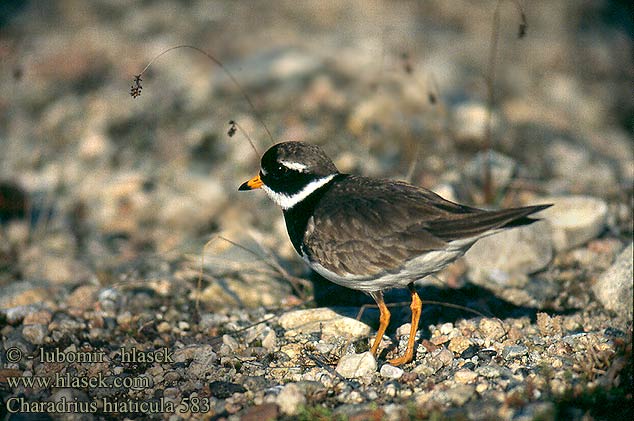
(282, 169)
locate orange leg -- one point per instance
(416, 308)
(384, 320)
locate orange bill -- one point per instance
(252, 184)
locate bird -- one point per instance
(372, 234)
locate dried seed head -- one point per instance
(135, 89)
(232, 128)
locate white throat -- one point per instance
(286, 202)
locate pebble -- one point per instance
(222, 390)
(498, 259)
(15, 315)
(482, 387)
(35, 333)
(290, 399)
(614, 288)
(163, 327)
(263, 412)
(426, 369)
(445, 357)
(549, 326)
(270, 340)
(439, 340)
(324, 320)
(470, 352)
(109, 299)
(514, 351)
(465, 376)
(42, 317)
(201, 358)
(459, 344)
(460, 394)
(489, 371)
(352, 366)
(446, 328)
(575, 219)
(491, 328)
(231, 342)
(17, 294)
(390, 372)
(469, 122)
(83, 297)
(503, 168)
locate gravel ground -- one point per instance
(137, 283)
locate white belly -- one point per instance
(413, 270)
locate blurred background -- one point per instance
(107, 201)
(99, 188)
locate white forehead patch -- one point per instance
(286, 202)
(297, 166)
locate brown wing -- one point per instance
(375, 226)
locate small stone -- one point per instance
(482, 387)
(270, 340)
(68, 395)
(426, 370)
(614, 288)
(489, 371)
(124, 319)
(223, 390)
(290, 399)
(470, 121)
(459, 344)
(470, 352)
(491, 328)
(19, 294)
(171, 393)
(83, 297)
(163, 327)
(264, 412)
(326, 321)
(514, 351)
(201, 358)
(514, 334)
(374, 414)
(231, 342)
(503, 168)
(446, 328)
(445, 357)
(575, 219)
(35, 333)
(439, 340)
(549, 326)
(430, 347)
(41, 317)
(465, 376)
(460, 394)
(353, 366)
(390, 372)
(486, 355)
(403, 330)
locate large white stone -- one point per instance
(353, 366)
(614, 287)
(575, 219)
(326, 321)
(517, 251)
